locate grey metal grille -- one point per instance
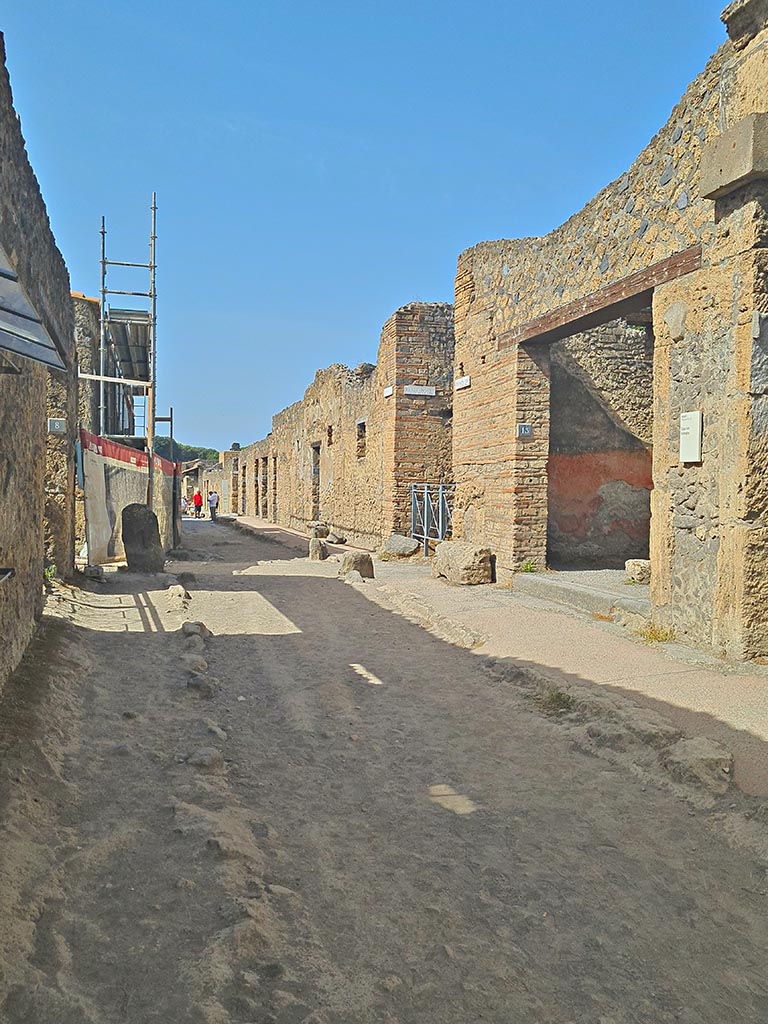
(431, 512)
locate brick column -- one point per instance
(527, 511)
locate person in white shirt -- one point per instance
(213, 504)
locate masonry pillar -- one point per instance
(709, 527)
(527, 511)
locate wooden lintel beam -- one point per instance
(627, 297)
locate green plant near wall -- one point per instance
(528, 566)
(49, 572)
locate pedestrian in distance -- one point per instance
(213, 504)
(183, 505)
(197, 502)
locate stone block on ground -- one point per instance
(206, 757)
(463, 564)
(336, 538)
(702, 760)
(202, 685)
(318, 550)
(141, 539)
(357, 561)
(194, 663)
(638, 570)
(353, 577)
(195, 629)
(318, 529)
(399, 546)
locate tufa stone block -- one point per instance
(462, 564)
(638, 570)
(357, 561)
(735, 158)
(141, 539)
(398, 546)
(318, 550)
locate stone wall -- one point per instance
(22, 481)
(599, 470)
(650, 213)
(35, 510)
(700, 183)
(348, 452)
(87, 328)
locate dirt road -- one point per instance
(392, 836)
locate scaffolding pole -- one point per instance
(151, 397)
(103, 327)
(106, 342)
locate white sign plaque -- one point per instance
(388, 391)
(461, 383)
(427, 390)
(691, 424)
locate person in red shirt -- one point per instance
(197, 501)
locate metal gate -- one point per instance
(431, 512)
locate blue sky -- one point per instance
(319, 165)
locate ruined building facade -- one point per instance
(348, 452)
(679, 244)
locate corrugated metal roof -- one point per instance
(128, 332)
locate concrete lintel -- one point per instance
(735, 158)
(744, 19)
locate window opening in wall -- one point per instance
(329, 436)
(361, 439)
(315, 481)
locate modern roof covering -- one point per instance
(21, 330)
(129, 334)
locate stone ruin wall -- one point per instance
(35, 499)
(423, 345)
(87, 339)
(407, 439)
(651, 212)
(709, 520)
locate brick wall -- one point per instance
(348, 452)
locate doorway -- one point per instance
(599, 476)
(315, 482)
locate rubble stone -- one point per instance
(638, 570)
(700, 759)
(399, 546)
(206, 757)
(318, 550)
(463, 564)
(358, 561)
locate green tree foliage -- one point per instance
(183, 452)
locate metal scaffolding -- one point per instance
(129, 337)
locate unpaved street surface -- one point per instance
(392, 834)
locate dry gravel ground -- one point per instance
(377, 829)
